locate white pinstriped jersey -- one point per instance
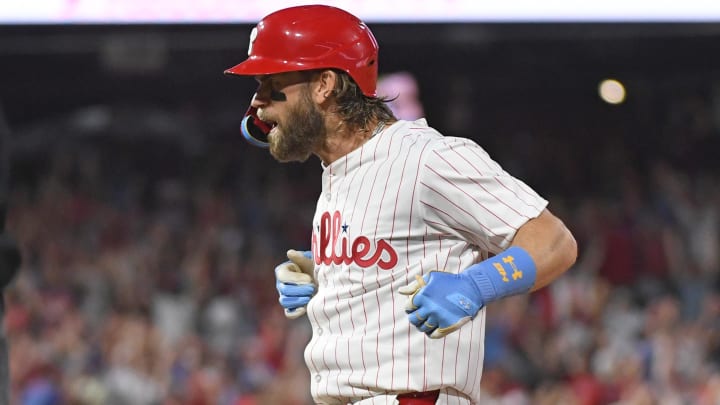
(407, 202)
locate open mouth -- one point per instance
(269, 123)
(256, 130)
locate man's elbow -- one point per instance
(569, 249)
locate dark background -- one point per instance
(477, 80)
(50, 69)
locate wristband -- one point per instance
(511, 272)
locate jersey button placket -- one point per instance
(330, 176)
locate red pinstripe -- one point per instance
(407, 241)
(377, 298)
(527, 194)
(513, 190)
(467, 381)
(442, 224)
(487, 230)
(349, 290)
(497, 179)
(337, 363)
(422, 272)
(327, 377)
(362, 339)
(377, 340)
(392, 291)
(500, 200)
(312, 350)
(472, 198)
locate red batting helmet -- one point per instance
(312, 37)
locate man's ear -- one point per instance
(324, 86)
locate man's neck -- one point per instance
(343, 141)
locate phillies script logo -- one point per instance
(331, 230)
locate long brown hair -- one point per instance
(357, 109)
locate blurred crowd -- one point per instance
(636, 320)
(147, 279)
(139, 290)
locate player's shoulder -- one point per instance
(429, 136)
(439, 144)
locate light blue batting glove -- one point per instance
(294, 282)
(440, 303)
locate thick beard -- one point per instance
(304, 128)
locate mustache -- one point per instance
(261, 114)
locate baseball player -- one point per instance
(414, 232)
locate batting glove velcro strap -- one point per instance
(440, 303)
(294, 282)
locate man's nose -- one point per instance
(256, 102)
(261, 97)
(260, 100)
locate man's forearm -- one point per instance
(551, 245)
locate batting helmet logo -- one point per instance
(253, 37)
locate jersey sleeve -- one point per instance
(463, 192)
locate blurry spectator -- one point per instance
(402, 88)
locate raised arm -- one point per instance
(440, 302)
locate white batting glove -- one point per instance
(294, 282)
